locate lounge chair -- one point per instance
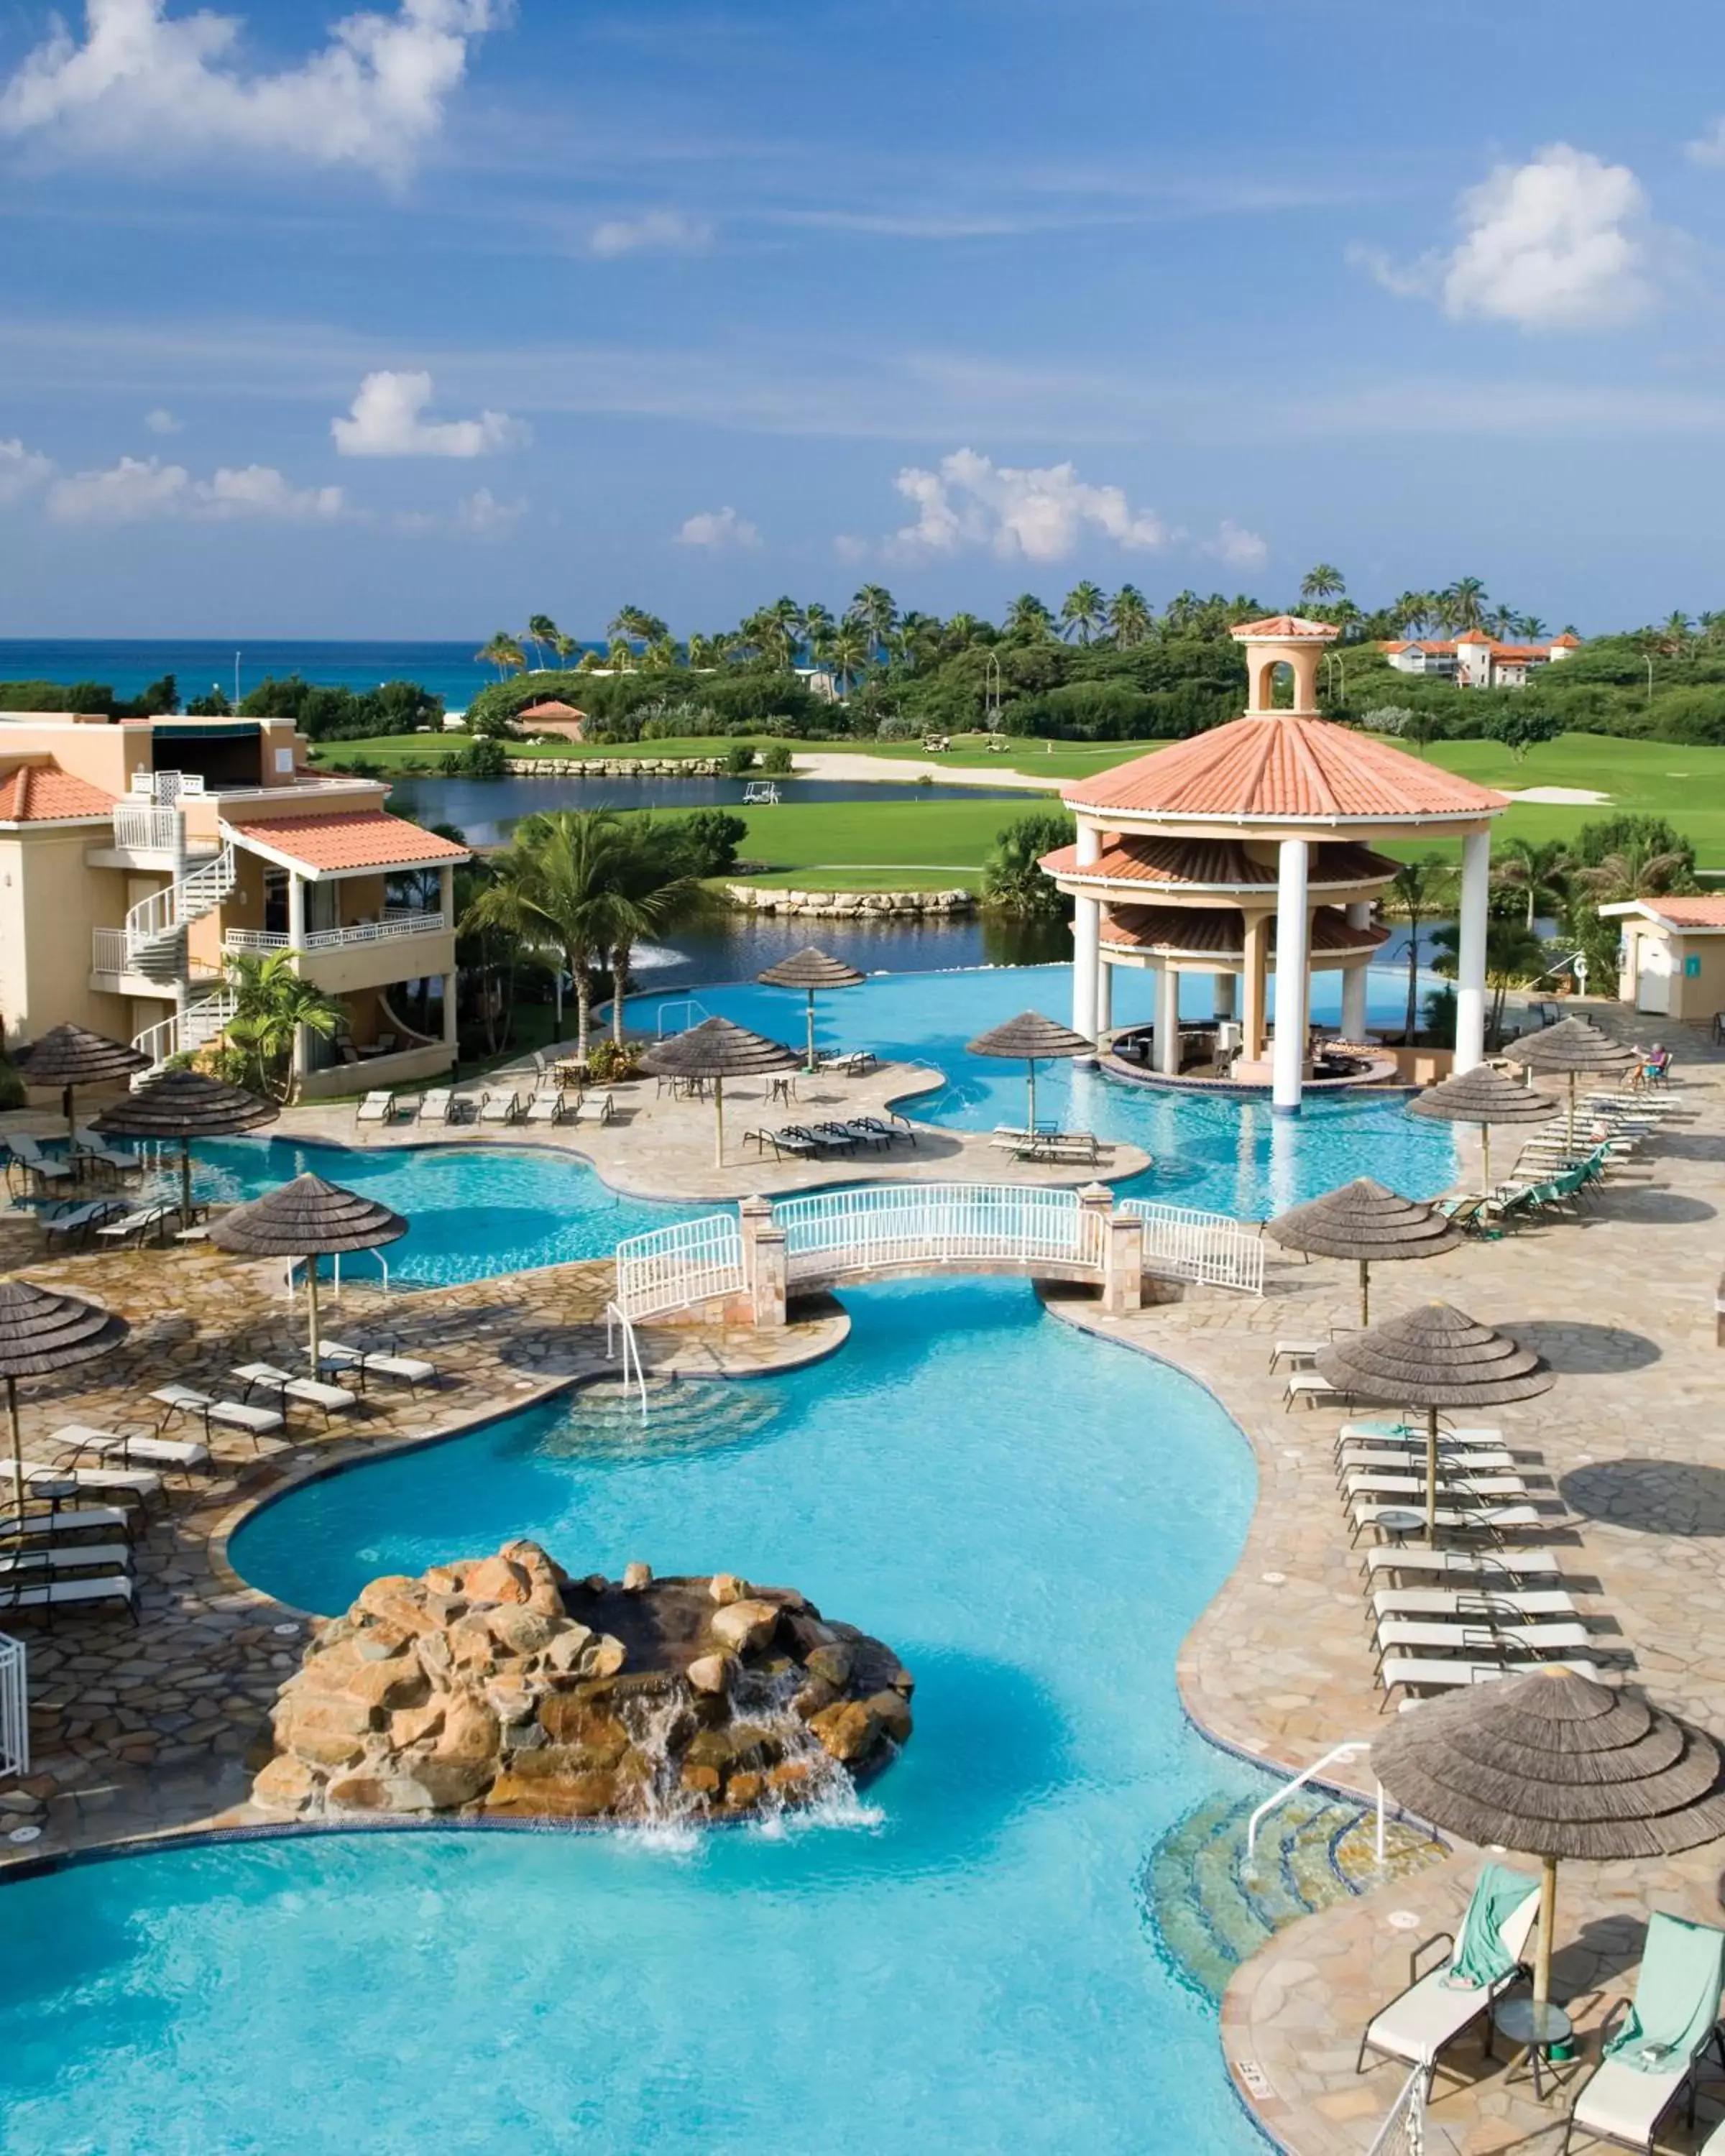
(893, 1126)
(594, 1108)
(138, 1482)
(1368, 1483)
(375, 1108)
(500, 1107)
(87, 1145)
(548, 1106)
(850, 1135)
(312, 1391)
(74, 1222)
(410, 1370)
(139, 1223)
(68, 1557)
(434, 1107)
(1488, 1567)
(1308, 1386)
(28, 1155)
(799, 1144)
(26, 1591)
(1463, 1604)
(183, 1453)
(1419, 2024)
(1651, 2061)
(1398, 1459)
(232, 1415)
(1421, 1673)
(56, 1521)
(1491, 1519)
(1465, 1635)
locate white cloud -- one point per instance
(667, 231)
(1039, 514)
(139, 489)
(1708, 149)
(162, 421)
(482, 515)
(1562, 242)
(386, 420)
(21, 469)
(718, 528)
(141, 83)
(1239, 548)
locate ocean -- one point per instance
(450, 670)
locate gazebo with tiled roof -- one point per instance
(1250, 849)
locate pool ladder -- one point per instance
(620, 1340)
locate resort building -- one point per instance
(1670, 962)
(550, 715)
(1475, 660)
(1249, 849)
(138, 856)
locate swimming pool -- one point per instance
(1031, 1517)
(1222, 1153)
(473, 1211)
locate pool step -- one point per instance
(1209, 1911)
(683, 1414)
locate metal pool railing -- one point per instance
(853, 1230)
(14, 1708)
(669, 1268)
(1185, 1243)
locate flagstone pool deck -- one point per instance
(143, 1730)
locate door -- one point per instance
(1653, 976)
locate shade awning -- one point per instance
(810, 969)
(73, 1056)
(186, 1104)
(306, 1218)
(1435, 1357)
(1031, 1038)
(43, 1330)
(1572, 1043)
(1363, 1221)
(718, 1049)
(1483, 1096)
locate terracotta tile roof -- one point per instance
(44, 794)
(1219, 931)
(1278, 768)
(1568, 642)
(1285, 628)
(552, 707)
(1707, 911)
(1212, 864)
(368, 839)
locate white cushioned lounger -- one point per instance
(1431, 2014)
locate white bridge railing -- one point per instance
(672, 1267)
(14, 1709)
(1183, 1243)
(839, 1231)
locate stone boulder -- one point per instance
(500, 1687)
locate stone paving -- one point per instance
(137, 1730)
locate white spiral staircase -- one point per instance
(156, 947)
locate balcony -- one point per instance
(113, 973)
(396, 923)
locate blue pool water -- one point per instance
(1226, 1155)
(959, 1962)
(472, 1211)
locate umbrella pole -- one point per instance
(811, 1033)
(1548, 1913)
(1572, 1112)
(17, 1459)
(1485, 1156)
(1365, 1294)
(718, 1123)
(71, 1113)
(1030, 1077)
(185, 1182)
(313, 1341)
(1431, 1468)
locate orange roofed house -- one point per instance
(137, 856)
(1476, 660)
(1249, 850)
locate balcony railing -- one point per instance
(109, 953)
(394, 924)
(147, 830)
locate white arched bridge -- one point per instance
(753, 1259)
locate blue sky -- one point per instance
(409, 324)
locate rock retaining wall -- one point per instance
(500, 1688)
(849, 905)
(615, 767)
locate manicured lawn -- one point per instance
(864, 845)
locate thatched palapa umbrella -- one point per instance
(1031, 1038)
(717, 1049)
(71, 1055)
(810, 970)
(1363, 1221)
(1483, 1096)
(186, 1105)
(1570, 1048)
(308, 1219)
(1556, 1765)
(1433, 1358)
(42, 1332)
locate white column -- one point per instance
(449, 1035)
(1085, 926)
(446, 893)
(1353, 979)
(1168, 1022)
(1288, 1062)
(1471, 950)
(1105, 997)
(1222, 994)
(296, 911)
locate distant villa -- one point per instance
(1475, 660)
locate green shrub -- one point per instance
(738, 760)
(711, 837)
(776, 759)
(1694, 715)
(611, 1062)
(1013, 880)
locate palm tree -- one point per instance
(1637, 871)
(1539, 871)
(1085, 608)
(542, 632)
(1128, 617)
(1013, 878)
(1532, 629)
(1463, 603)
(703, 651)
(875, 607)
(1675, 635)
(1418, 890)
(554, 887)
(620, 656)
(818, 627)
(1503, 622)
(651, 894)
(503, 653)
(919, 637)
(1322, 581)
(1514, 956)
(662, 652)
(1028, 621)
(847, 652)
(564, 646)
(962, 631)
(273, 1001)
(1413, 613)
